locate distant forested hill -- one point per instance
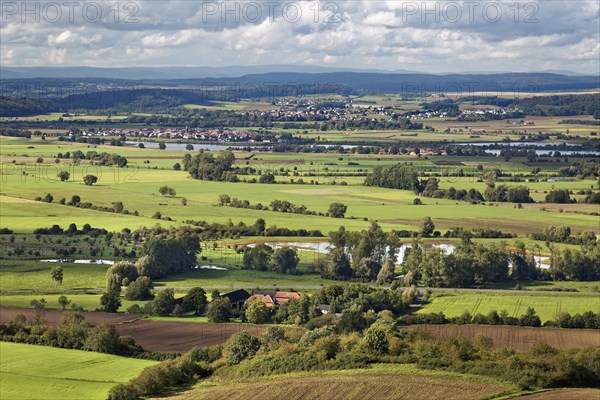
(20, 97)
(416, 83)
(133, 99)
(20, 106)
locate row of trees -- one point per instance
(336, 210)
(72, 332)
(262, 257)
(510, 194)
(575, 265)
(368, 255)
(406, 177)
(161, 256)
(103, 158)
(214, 230)
(530, 318)
(469, 264)
(562, 234)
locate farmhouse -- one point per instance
(274, 298)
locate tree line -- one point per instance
(406, 177)
(587, 320)
(336, 210)
(72, 332)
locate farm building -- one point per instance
(274, 298)
(237, 297)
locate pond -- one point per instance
(324, 247)
(83, 261)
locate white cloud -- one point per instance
(370, 34)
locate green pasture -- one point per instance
(22, 276)
(138, 188)
(29, 372)
(547, 306)
(16, 275)
(89, 302)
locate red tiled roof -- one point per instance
(265, 298)
(284, 297)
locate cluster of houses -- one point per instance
(216, 135)
(429, 114)
(489, 111)
(239, 298)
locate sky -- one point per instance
(426, 36)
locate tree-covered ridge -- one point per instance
(23, 106)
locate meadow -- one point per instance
(22, 279)
(137, 187)
(29, 372)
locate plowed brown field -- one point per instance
(151, 335)
(517, 337)
(564, 394)
(349, 387)
(182, 336)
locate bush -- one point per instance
(219, 310)
(195, 300)
(110, 301)
(89, 180)
(123, 391)
(337, 210)
(376, 341)
(241, 346)
(258, 312)
(140, 289)
(164, 303)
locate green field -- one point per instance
(30, 372)
(547, 306)
(137, 186)
(89, 302)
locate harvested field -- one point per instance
(182, 336)
(53, 316)
(563, 394)
(517, 337)
(151, 335)
(346, 387)
(457, 163)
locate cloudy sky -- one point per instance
(429, 36)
